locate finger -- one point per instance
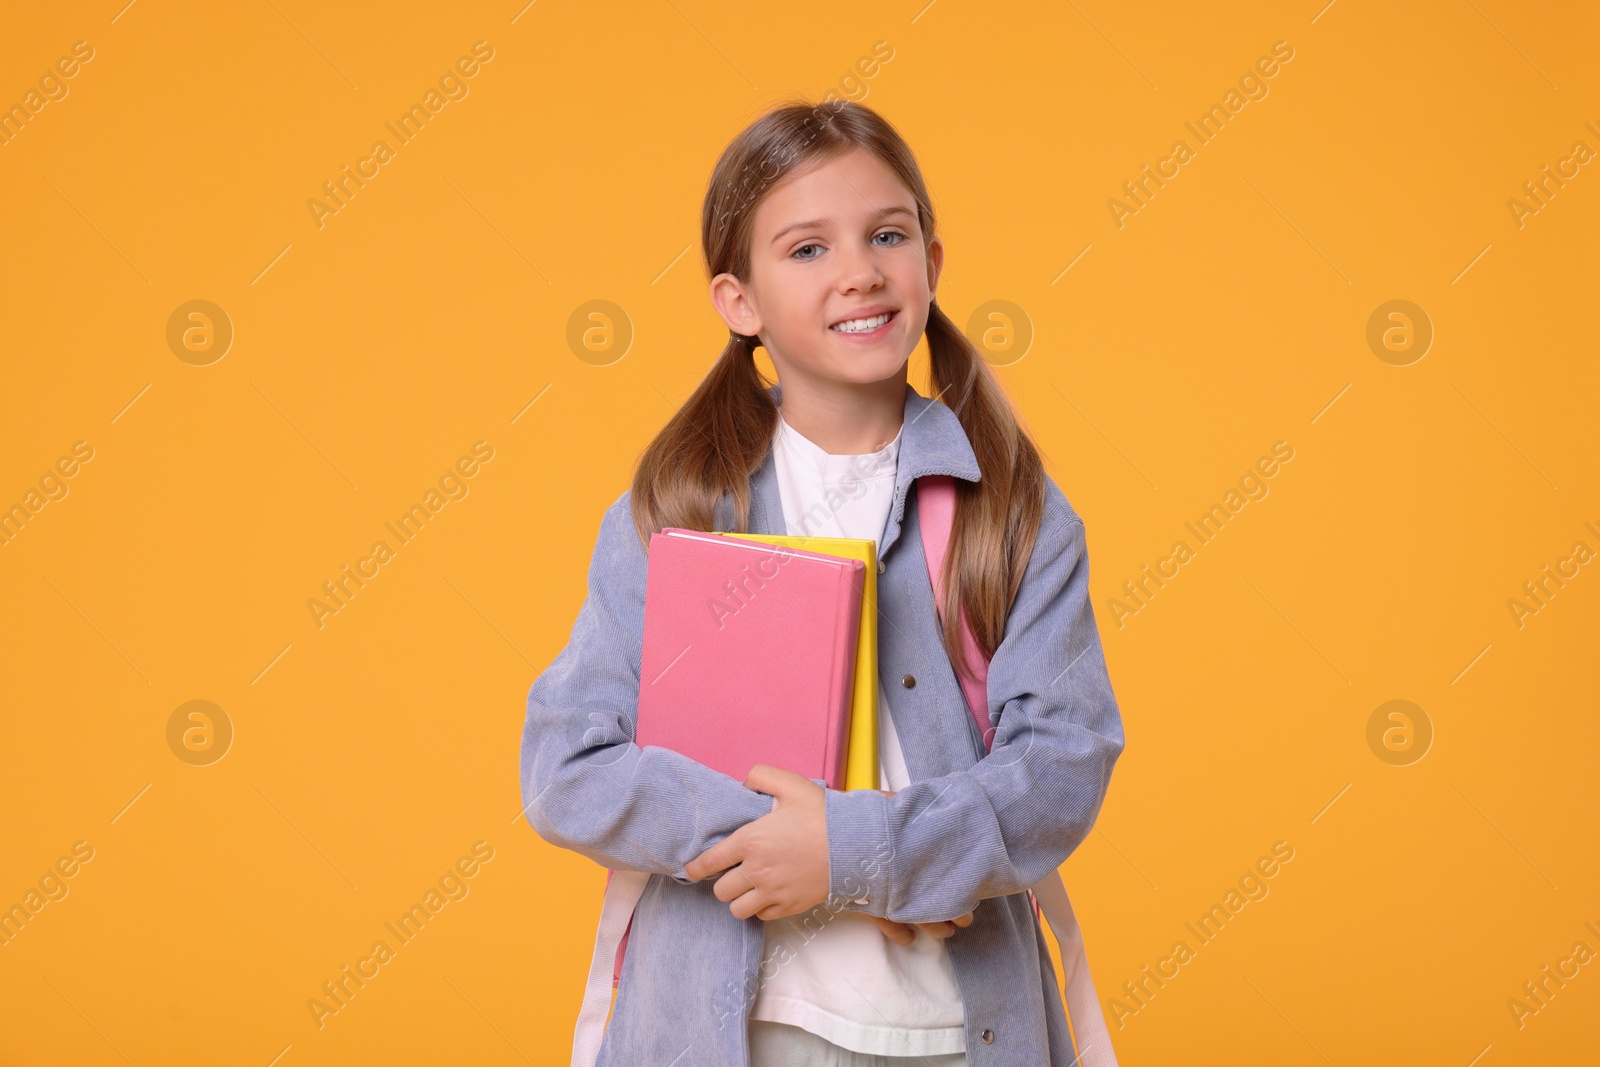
(898, 932)
(731, 885)
(720, 856)
(963, 920)
(774, 781)
(772, 912)
(888, 926)
(748, 903)
(757, 777)
(940, 930)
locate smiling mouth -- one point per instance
(868, 324)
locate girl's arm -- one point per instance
(937, 847)
(585, 785)
(905, 933)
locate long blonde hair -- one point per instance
(710, 448)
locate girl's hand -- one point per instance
(779, 861)
(905, 933)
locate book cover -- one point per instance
(749, 654)
(861, 761)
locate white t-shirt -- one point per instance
(841, 977)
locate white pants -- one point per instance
(781, 1045)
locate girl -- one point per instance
(779, 922)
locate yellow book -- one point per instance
(861, 762)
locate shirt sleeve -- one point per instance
(586, 785)
(939, 846)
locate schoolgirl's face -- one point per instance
(840, 278)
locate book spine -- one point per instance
(847, 624)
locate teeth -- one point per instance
(863, 325)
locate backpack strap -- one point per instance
(936, 514)
(622, 893)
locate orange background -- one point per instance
(369, 754)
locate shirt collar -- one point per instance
(932, 441)
(801, 449)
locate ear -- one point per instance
(935, 264)
(731, 298)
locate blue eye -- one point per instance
(897, 235)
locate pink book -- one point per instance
(749, 654)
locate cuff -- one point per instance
(742, 806)
(859, 853)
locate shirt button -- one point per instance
(880, 566)
(988, 1037)
(909, 681)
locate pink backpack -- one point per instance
(936, 508)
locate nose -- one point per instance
(858, 269)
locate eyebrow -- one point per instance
(816, 223)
